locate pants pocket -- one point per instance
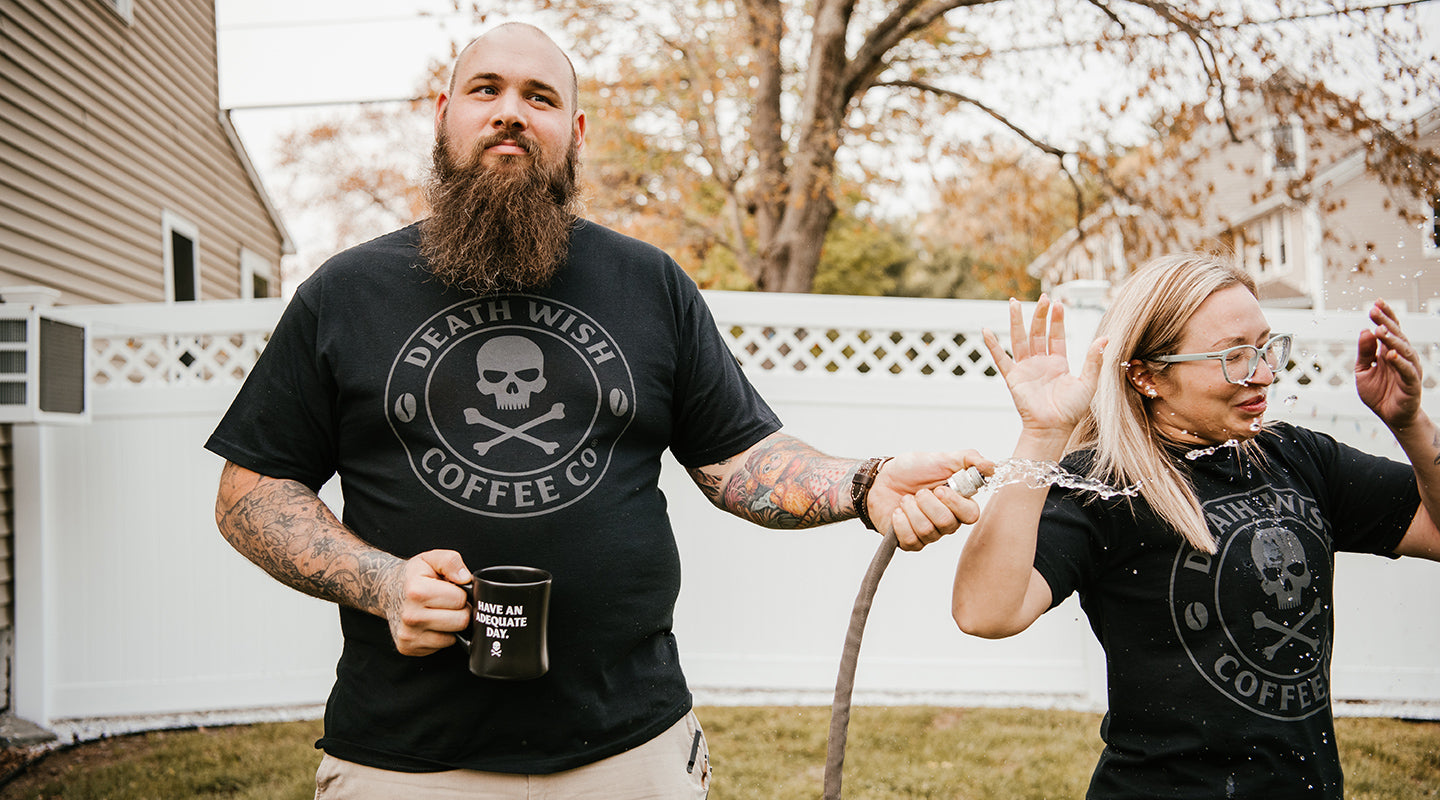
(698, 763)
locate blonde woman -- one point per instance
(1211, 591)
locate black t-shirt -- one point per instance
(1219, 666)
(514, 429)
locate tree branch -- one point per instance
(712, 149)
(904, 21)
(1106, 10)
(1191, 27)
(1044, 147)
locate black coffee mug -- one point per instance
(509, 611)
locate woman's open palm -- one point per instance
(1045, 392)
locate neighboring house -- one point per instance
(121, 180)
(1295, 202)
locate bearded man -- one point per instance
(419, 367)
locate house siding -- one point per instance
(1234, 176)
(1371, 252)
(104, 127)
(1348, 236)
(107, 127)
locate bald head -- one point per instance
(528, 35)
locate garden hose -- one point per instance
(966, 483)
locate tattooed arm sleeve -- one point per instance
(781, 482)
(284, 528)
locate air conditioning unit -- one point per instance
(43, 374)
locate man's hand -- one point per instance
(910, 497)
(781, 482)
(426, 602)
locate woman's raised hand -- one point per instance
(1387, 369)
(1048, 397)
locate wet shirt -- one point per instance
(1218, 666)
(515, 429)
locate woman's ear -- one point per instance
(1142, 378)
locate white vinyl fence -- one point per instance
(131, 606)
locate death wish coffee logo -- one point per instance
(510, 405)
(1252, 617)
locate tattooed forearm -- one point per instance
(785, 483)
(1435, 445)
(710, 483)
(288, 532)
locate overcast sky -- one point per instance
(318, 51)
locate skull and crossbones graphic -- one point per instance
(512, 371)
(1284, 575)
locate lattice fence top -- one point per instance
(1332, 364)
(136, 361)
(891, 343)
(952, 354)
(861, 351)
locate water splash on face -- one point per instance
(1035, 475)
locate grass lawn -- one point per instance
(758, 754)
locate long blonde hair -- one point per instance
(1147, 319)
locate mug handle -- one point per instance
(469, 587)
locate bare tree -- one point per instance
(729, 126)
(771, 100)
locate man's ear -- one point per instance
(441, 101)
(579, 130)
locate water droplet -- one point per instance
(1038, 475)
(1205, 451)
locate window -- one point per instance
(1265, 246)
(1285, 149)
(182, 259)
(257, 276)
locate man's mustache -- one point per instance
(519, 138)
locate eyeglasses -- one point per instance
(1241, 361)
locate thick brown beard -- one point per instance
(498, 229)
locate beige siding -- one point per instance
(103, 127)
(1370, 252)
(1234, 176)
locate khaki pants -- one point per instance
(673, 766)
